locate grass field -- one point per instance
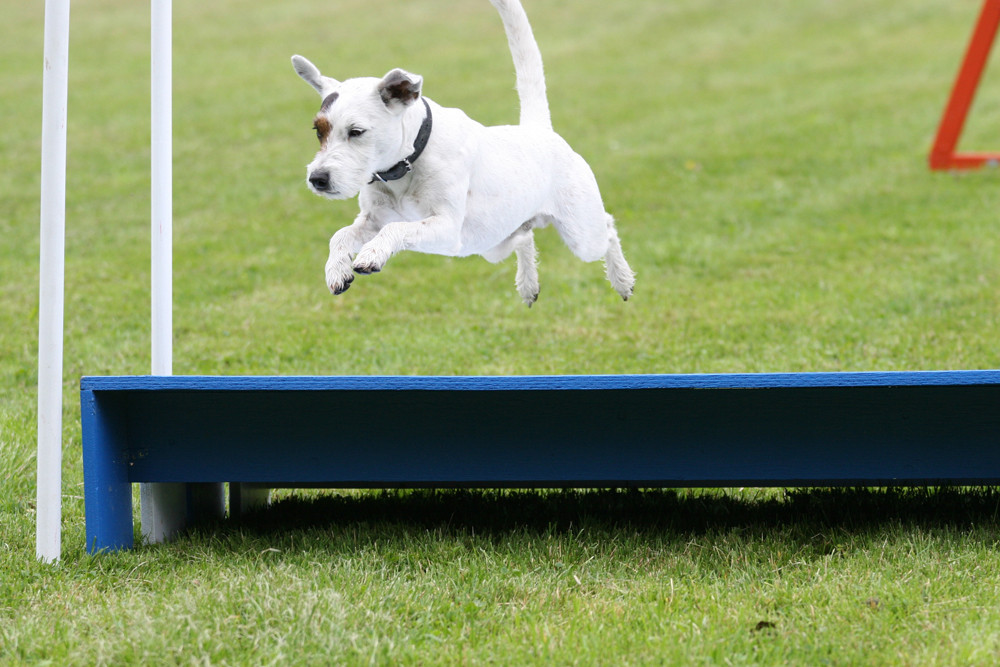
(766, 163)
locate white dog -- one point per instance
(433, 180)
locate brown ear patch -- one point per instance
(397, 87)
(323, 128)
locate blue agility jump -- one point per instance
(785, 429)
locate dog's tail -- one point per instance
(527, 64)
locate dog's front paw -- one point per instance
(338, 275)
(370, 260)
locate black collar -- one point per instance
(404, 166)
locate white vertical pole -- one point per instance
(162, 184)
(163, 506)
(52, 263)
(167, 508)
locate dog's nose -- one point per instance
(320, 180)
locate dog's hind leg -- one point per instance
(619, 273)
(590, 234)
(522, 244)
(526, 278)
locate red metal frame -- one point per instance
(943, 155)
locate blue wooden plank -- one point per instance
(789, 429)
(107, 488)
(542, 383)
(661, 436)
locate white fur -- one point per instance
(475, 190)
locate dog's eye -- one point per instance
(355, 132)
(319, 135)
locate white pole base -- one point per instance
(169, 509)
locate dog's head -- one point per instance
(359, 127)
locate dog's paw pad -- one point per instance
(340, 287)
(338, 281)
(368, 261)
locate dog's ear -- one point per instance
(398, 89)
(310, 73)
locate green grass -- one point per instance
(857, 577)
(766, 163)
